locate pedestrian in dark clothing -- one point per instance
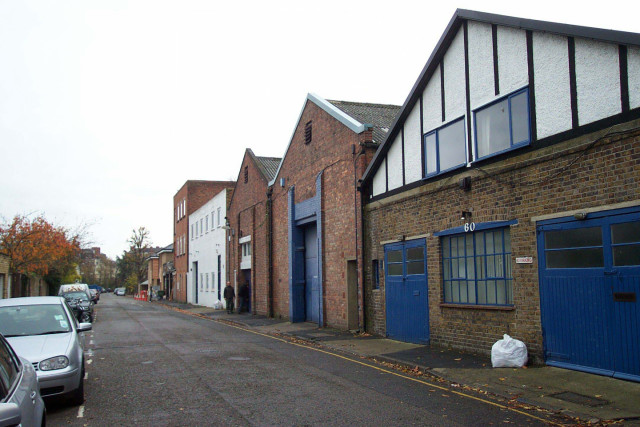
(229, 295)
(243, 295)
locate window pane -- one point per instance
(501, 293)
(454, 246)
(446, 248)
(455, 291)
(492, 128)
(415, 267)
(628, 232)
(491, 292)
(446, 268)
(471, 292)
(431, 159)
(489, 243)
(575, 258)
(482, 292)
(464, 296)
(451, 145)
(415, 254)
(519, 118)
(394, 256)
(447, 291)
(479, 243)
(626, 255)
(470, 270)
(481, 267)
(394, 269)
(577, 238)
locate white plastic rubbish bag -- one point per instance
(508, 353)
(218, 305)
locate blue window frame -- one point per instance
(445, 148)
(477, 267)
(503, 125)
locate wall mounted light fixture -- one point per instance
(466, 215)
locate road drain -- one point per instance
(239, 358)
(580, 399)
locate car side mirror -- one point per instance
(84, 327)
(10, 415)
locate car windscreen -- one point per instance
(75, 295)
(24, 320)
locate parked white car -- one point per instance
(44, 331)
(20, 400)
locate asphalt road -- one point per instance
(148, 365)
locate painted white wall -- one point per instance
(597, 80)
(454, 79)
(413, 146)
(205, 249)
(431, 106)
(633, 65)
(552, 86)
(481, 84)
(597, 84)
(380, 179)
(394, 157)
(513, 69)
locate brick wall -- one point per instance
(330, 152)
(196, 194)
(568, 176)
(247, 216)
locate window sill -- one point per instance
(479, 307)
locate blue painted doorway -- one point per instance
(406, 291)
(312, 288)
(589, 289)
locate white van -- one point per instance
(74, 287)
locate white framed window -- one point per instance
(213, 220)
(192, 232)
(201, 281)
(206, 224)
(503, 125)
(201, 226)
(206, 281)
(219, 210)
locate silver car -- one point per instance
(44, 331)
(20, 401)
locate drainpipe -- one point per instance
(269, 221)
(359, 282)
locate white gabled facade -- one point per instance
(207, 269)
(566, 82)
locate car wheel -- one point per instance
(77, 396)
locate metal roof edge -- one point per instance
(332, 110)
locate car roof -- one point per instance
(12, 302)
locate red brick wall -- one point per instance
(329, 152)
(196, 193)
(247, 217)
(532, 184)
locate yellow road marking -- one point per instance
(386, 371)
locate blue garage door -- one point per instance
(589, 288)
(406, 291)
(312, 286)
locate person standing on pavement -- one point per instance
(229, 295)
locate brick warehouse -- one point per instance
(191, 196)
(505, 199)
(316, 211)
(248, 248)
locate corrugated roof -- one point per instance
(380, 116)
(268, 166)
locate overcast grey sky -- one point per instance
(108, 107)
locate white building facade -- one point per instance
(207, 268)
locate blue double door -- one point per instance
(406, 291)
(589, 292)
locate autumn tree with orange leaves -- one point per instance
(36, 246)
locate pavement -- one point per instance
(594, 399)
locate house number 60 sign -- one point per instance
(469, 227)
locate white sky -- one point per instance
(108, 107)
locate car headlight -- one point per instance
(53, 363)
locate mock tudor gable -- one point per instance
(495, 84)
